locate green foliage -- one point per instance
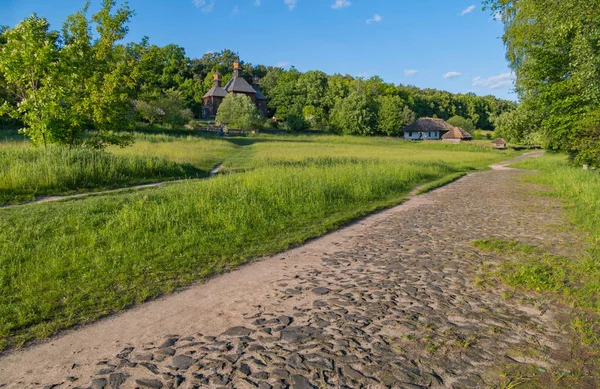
(115, 75)
(355, 115)
(238, 111)
(67, 83)
(168, 107)
(461, 122)
(297, 123)
(100, 254)
(283, 96)
(408, 115)
(520, 126)
(553, 48)
(391, 115)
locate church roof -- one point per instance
(259, 94)
(216, 91)
(239, 85)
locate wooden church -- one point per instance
(214, 97)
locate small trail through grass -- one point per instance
(49, 199)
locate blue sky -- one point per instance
(444, 44)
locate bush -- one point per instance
(271, 124)
(297, 123)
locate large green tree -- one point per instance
(355, 115)
(239, 112)
(391, 119)
(554, 49)
(70, 82)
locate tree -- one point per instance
(408, 115)
(284, 97)
(519, 126)
(391, 120)
(68, 83)
(553, 48)
(26, 61)
(5, 92)
(461, 122)
(167, 107)
(238, 111)
(355, 115)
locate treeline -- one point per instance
(60, 84)
(554, 48)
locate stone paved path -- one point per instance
(394, 305)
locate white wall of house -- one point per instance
(434, 135)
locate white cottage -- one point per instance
(427, 129)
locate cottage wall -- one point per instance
(425, 135)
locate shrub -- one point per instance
(297, 123)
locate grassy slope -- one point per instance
(200, 153)
(26, 172)
(71, 262)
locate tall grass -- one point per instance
(71, 262)
(273, 150)
(27, 172)
(201, 153)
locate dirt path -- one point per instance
(389, 302)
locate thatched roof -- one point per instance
(457, 133)
(499, 142)
(428, 124)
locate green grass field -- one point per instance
(70, 262)
(27, 172)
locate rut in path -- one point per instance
(390, 302)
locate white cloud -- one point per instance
(341, 4)
(495, 82)
(290, 3)
(410, 72)
(282, 64)
(205, 5)
(467, 10)
(257, 3)
(451, 75)
(375, 19)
